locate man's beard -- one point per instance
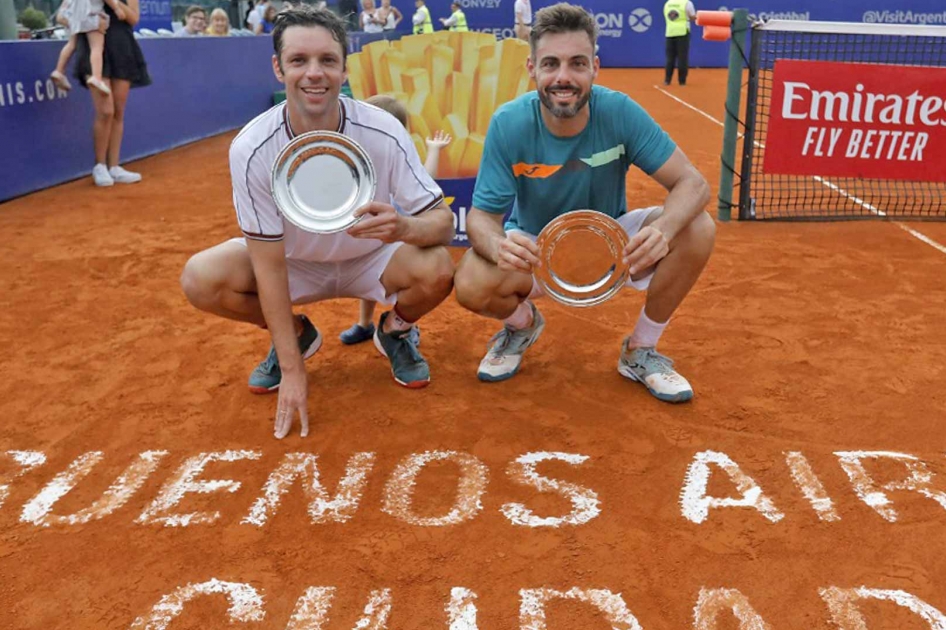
(568, 111)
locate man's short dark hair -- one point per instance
(562, 18)
(307, 15)
(192, 9)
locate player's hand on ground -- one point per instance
(293, 397)
(380, 221)
(440, 140)
(517, 252)
(646, 249)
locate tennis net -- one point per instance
(844, 121)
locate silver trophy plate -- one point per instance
(582, 258)
(319, 179)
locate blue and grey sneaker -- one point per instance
(267, 375)
(655, 372)
(506, 349)
(409, 368)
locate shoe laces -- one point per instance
(270, 363)
(405, 348)
(508, 340)
(658, 363)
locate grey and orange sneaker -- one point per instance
(655, 372)
(267, 375)
(408, 366)
(506, 348)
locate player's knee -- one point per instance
(700, 235)
(197, 283)
(469, 296)
(472, 294)
(704, 231)
(440, 271)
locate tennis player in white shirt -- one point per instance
(393, 258)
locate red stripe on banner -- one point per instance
(857, 120)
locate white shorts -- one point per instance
(356, 278)
(632, 223)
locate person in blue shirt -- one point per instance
(568, 146)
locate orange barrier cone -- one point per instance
(714, 18)
(716, 33)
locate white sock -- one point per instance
(521, 317)
(647, 332)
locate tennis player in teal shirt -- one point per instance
(568, 146)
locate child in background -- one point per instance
(363, 330)
(83, 16)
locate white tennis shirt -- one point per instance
(401, 179)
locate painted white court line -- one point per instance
(921, 236)
(687, 105)
(914, 233)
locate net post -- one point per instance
(740, 25)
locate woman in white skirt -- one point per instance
(389, 16)
(84, 16)
(368, 18)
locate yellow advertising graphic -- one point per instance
(446, 80)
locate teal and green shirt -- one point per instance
(540, 176)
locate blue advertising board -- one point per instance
(155, 14)
(201, 87)
(458, 193)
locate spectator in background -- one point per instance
(523, 12)
(123, 67)
(219, 23)
(84, 16)
(255, 17)
(421, 19)
(250, 12)
(457, 21)
(368, 21)
(678, 14)
(269, 18)
(195, 22)
(390, 16)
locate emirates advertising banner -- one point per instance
(870, 121)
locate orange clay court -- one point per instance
(141, 487)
